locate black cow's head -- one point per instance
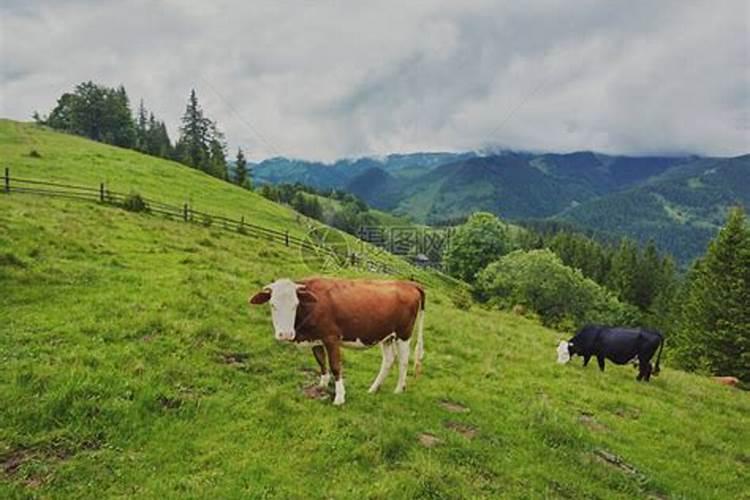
(566, 350)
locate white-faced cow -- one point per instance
(328, 314)
(619, 345)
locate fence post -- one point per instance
(101, 192)
(7, 180)
(286, 238)
(185, 212)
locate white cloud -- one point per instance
(328, 78)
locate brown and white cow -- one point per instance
(328, 314)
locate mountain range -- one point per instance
(677, 201)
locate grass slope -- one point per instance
(130, 365)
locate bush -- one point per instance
(135, 203)
(474, 245)
(34, 154)
(562, 296)
(462, 299)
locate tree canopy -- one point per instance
(481, 240)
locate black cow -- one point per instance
(619, 345)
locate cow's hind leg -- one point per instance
(385, 366)
(644, 371)
(403, 364)
(320, 356)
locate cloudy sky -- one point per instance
(322, 79)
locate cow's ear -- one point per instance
(306, 295)
(261, 297)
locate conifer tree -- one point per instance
(622, 274)
(713, 331)
(648, 277)
(240, 171)
(141, 129)
(192, 147)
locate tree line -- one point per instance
(569, 279)
(104, 114)
(348, 214)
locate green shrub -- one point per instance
(562, 296)
(461, 298)
(135, 203)
(474, 245)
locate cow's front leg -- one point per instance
(600, 360)
(586, 359)
(385, 365)
(320, 356)
(403, 364)
(334, 361)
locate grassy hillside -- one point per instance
(131, 365)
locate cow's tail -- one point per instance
(657, 369)
(419, 348)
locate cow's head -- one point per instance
(284, 295)
(564, 351)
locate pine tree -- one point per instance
(194, 135)
(622, 274)
(119, 128)
(714, 326)
(240, 169)
(648, 277)
(217, 153)
(141, 129)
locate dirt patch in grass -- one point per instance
(609, 458)
(11, 260)
(15, 459)
(315, 392)
(234, 358)
(630, 413)
(453, 407)
(169, 403)
(466, 430)
(12, 462)
(429, 440)
(588, 420)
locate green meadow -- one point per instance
(132, 366)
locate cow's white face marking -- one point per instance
(284, 304)
(563, 356)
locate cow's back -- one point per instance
(366, 309)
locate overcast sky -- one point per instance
(321, 79)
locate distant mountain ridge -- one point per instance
(679, 201)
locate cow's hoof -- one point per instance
(338, 401)
(399, 390)
(373, 389)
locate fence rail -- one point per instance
(186, 213)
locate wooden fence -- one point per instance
(186, 213)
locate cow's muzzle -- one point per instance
(285, 336)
